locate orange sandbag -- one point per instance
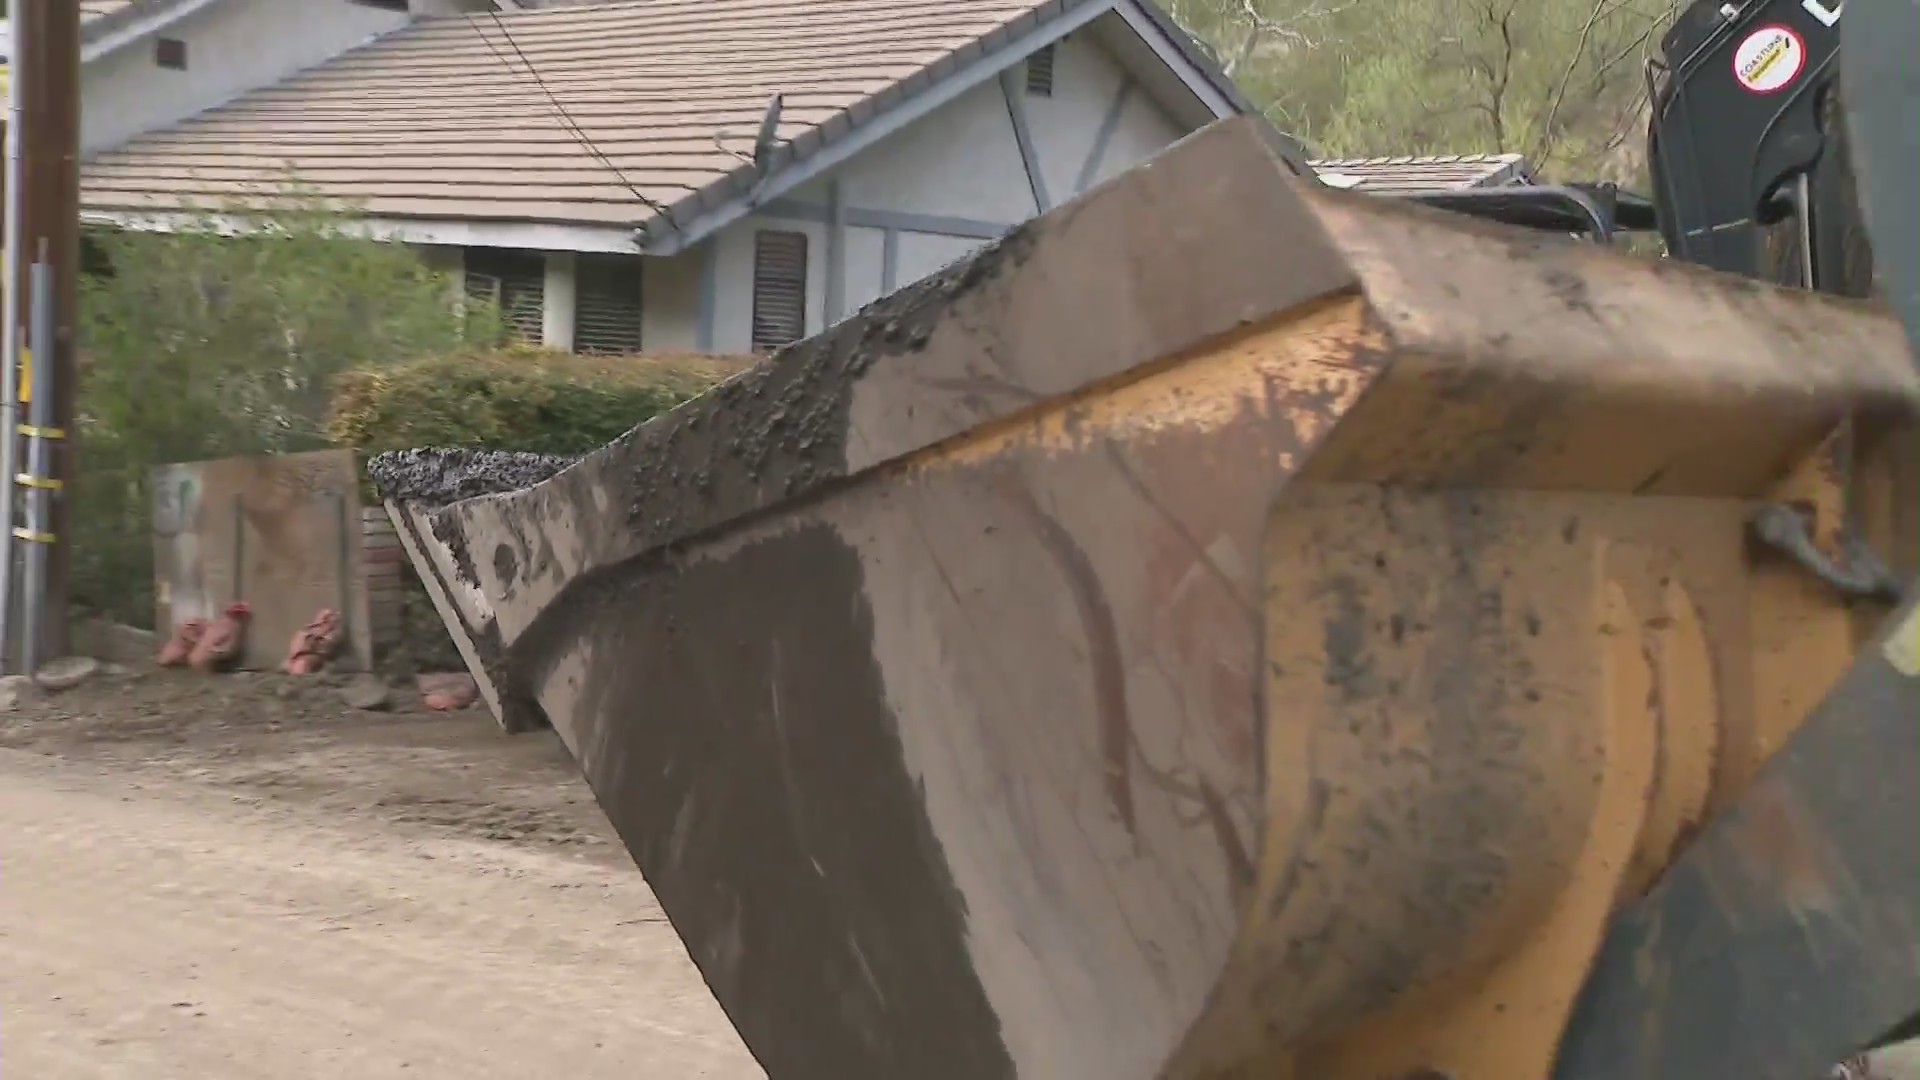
(314, 644)
(448, 692)
(223, 641)
(180, 646)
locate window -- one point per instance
(516, 281)
(606, 303)
(170, 53)
(779, 289)
(1040, 73)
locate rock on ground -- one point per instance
(115, 642)
(67, 672)
(368, 692)
(15, 691)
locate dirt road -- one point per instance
(240, 878)
(247, 879)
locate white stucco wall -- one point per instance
(962, 161)
(232, 46)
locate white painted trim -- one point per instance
(1175, 60)
(1013, 90)
(559, 292)
(679, 236)
(836, 257)
(889, 261)
(709, 296)
(134, 29)
(1103, 137)
(527, 236)
(904, 221)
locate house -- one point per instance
(718, 176)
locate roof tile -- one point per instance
(575, 114)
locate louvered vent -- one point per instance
(514, 280)
(606, 307)
(1040, 73)
(779, 289)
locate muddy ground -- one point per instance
(241, 876)
(293, 742)
(236, 877)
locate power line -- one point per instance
(573, 127)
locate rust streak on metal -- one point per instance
(1102, 639)
(1315, 349)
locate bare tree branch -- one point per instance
(1261, 24)
(1547, 138)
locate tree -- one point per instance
(1561, 81)
(199, 343)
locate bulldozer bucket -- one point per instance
(1224, 629)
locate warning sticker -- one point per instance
(1769, 59)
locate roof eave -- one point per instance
(110, 33)
(555, 234)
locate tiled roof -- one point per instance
(473, 117)
(1412, 175)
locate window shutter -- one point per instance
(1040, 73)
(606, 305)
(516, 281)
(779, 289)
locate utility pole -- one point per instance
(45, 66)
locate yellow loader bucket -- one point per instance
(1226, 629)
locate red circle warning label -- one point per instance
(1769, 59)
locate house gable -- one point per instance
(1141, 35)
(927, 195)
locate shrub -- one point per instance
(513, 399)
(510, 399)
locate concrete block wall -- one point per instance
(384, 566)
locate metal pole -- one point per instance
(46, 36)
(10, 276)
(38, 532)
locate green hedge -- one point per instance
(515, 399)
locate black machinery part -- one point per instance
(1596, 211)
(1739, 117)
